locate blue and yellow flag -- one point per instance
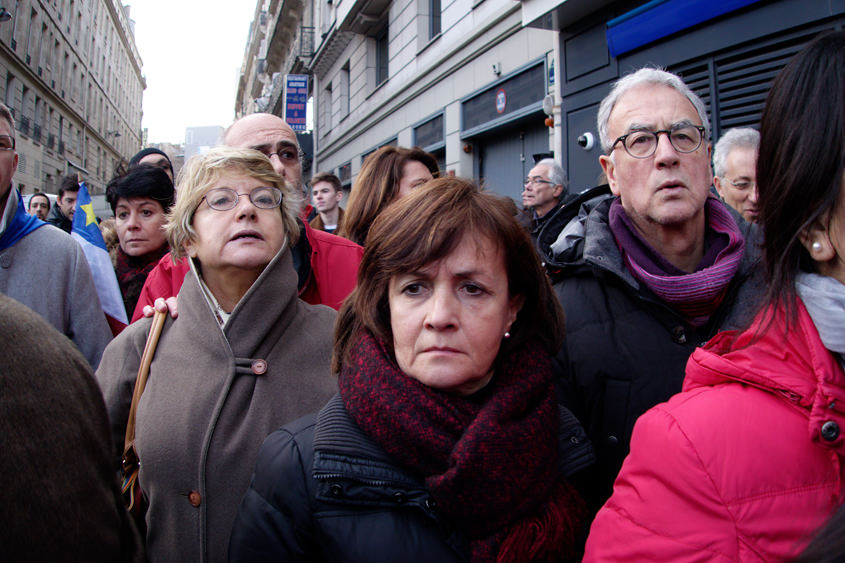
(87, 233)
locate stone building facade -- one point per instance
(71, 74)
(462, 79)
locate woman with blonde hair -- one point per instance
(244, 356)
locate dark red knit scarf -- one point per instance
(489, 460)
(132, 272)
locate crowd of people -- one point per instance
(651, 369)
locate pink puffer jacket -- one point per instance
(744, 465)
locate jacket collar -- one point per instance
(337, 436)
(271, 298)
(593, 245)
(793, 365)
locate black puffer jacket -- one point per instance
(625, 349)
(324, 491)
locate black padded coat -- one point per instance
(324, 491)
(625, 349)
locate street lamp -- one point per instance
(5, 15)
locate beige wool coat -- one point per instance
(210, 401)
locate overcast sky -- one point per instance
(192, 52)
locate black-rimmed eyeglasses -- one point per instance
(7, 143)
(642, 144)
(224, 199)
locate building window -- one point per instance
(344, 90)
(429, 134)
(10, 92)
(23, 119)
(327, 17)
(328, 107)
(434, 18)
(14, 42)
(344, 172)
(382, 55)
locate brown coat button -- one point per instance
(194, 498)
(259, 367)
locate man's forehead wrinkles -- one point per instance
(653, 127)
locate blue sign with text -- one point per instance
(296, 98)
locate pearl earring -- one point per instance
(817, 246)
(507, 334)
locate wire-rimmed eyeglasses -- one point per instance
(224, 199)
(536, 180)
(643, 143)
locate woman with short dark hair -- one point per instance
(746, 463)
(445, 442)
(140, 200)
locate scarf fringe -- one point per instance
(553, 535)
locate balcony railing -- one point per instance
(36, 133)
(23, 125)
(61, 147)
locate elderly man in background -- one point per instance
(44, 268)
(545, 188)
(735, 169)
(327, 265)
(657, 269)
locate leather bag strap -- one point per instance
(143, 371)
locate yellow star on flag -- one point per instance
(88, 208)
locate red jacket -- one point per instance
(736, 467)
(334, 273)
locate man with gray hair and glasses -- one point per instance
(545, 192)
(735, 169)
(654, 271)
(544, 189)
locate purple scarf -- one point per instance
(694, 295)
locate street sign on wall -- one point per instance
(296, 98)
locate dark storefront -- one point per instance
(728, 52)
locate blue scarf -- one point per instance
(20, 225)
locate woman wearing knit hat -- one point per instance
(153, 157)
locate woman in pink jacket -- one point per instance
(747, 462)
